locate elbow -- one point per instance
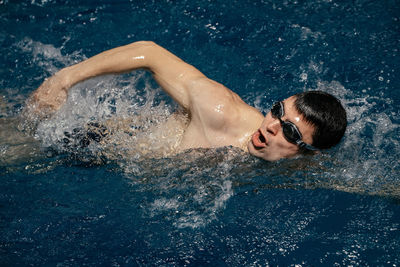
(145, 52)
(143, 44)
(143, 47)
(140, 52)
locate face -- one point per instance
(269, 143)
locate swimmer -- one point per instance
(303, 123)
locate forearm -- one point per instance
(174, 75)
(121, 59)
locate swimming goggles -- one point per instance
(290, 130)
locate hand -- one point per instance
(52, 93)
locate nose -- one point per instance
(274, 126)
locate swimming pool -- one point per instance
(203, 207)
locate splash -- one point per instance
(365, 162)
(136, 124)
(46, 56)
(367, 159)
(139, 119)
(188, 189)
(143, 130)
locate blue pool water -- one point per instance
(108, 205)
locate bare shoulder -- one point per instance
(204, 89)
(216, 106)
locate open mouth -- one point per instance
(258, 140)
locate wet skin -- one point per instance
(217, 116)
(268, 141)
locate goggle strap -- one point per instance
(301, 144)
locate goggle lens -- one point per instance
(290, 131)
(277, 110)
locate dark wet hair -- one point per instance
(326, 114)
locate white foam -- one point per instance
(47, 56)
(40, 2)
(307, 33)
(108, 100)
(190, 189)
(368, 156)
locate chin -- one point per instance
(258, 153)
(263, 154)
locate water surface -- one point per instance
(107, 204)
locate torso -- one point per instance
(218, 120)
(234, 128)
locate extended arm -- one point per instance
(212, 106)
(174, 75)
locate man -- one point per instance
(217, 116)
